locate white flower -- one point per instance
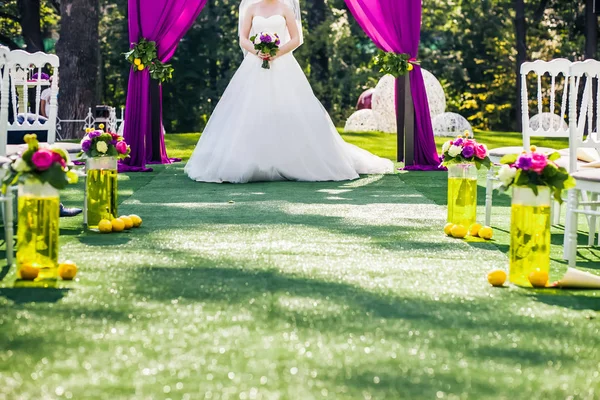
(101, 146)
(507, 174)
(446, 146)
(20, 165)
(257, 39)
(453, 151)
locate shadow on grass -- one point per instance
(22, 295)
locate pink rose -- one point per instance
(538, 162)
(121, 147)
(481, 151)
(42, 159)
(57, 158)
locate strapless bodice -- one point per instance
(273, 24)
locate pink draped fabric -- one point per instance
(395, 26)
(164, 22)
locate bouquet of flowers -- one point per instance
(51, 165)
(464, 150)
(266, 43)
(395, 64)
(144, 55)
(535, 169)
(97, 143)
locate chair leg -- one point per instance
(593, 221)
(489, 190)
(570, 240)
(556, 213)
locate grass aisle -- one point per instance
(291, 291)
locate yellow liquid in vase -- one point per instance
(462, 201)
(37, 234)
(101, 195)
(529, 242)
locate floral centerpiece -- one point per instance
(463, 156)
(266, 43)
(40, 173)
(144, 55)
(534, 170)
(46, 165)
(533, 177)
(98, 143)
(102, 150)
(464, 150)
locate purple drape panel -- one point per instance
(164, 22)
(395, 25)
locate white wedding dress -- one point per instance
(269, 126)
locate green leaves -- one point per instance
(144, 56)
(392, 63)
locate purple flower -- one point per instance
(458, 142)
(86, 145)
(44, 76)
(277, 42)
(113, 142)
(266, 38)
(468, 151)
(94, 134)
(524, 162)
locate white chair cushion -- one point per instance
(586, 154)
(564, 162)
(499, 152)
(590, 174)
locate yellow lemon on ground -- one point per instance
(128, 222)
(486, 232)
(448, 227)
(458, 231)
(538, 278)
(118, 225)
(496, 277)
(474, 229)
(28, 272)
(67, 270)
(137, 221)
(105, 226)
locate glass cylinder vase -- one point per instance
(38, 228)
(101, 190)
(462, 194)
(529, 233)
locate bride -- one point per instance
(268, 124)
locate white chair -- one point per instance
(6, 200)
(584, 130)
(545, 95)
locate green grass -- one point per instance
(294, 291)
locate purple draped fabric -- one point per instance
(164, 22)
(395, 26)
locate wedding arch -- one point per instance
(393, 25)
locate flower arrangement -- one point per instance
(266, 43)
(533, 169)
(464, 150)
(46, 165)
(97, 143)
(144, 55)
(395, 64)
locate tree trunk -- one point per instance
(591, 30)
(77, 49)
(521, 37)
(30, 24)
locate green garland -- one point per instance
(144, 55)
(395, 64)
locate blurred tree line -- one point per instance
(472, 46)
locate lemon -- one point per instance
(141, 67)
(458, 231)
(496, 277)
(486, 232)
(118, 225)
(448, 228)
(137, 61)
(28, 272)
(67, 270)
(137, 221)
(474, 229)
(538, 278)
(128, 222)
(105, 226)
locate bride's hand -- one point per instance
(263, 56)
